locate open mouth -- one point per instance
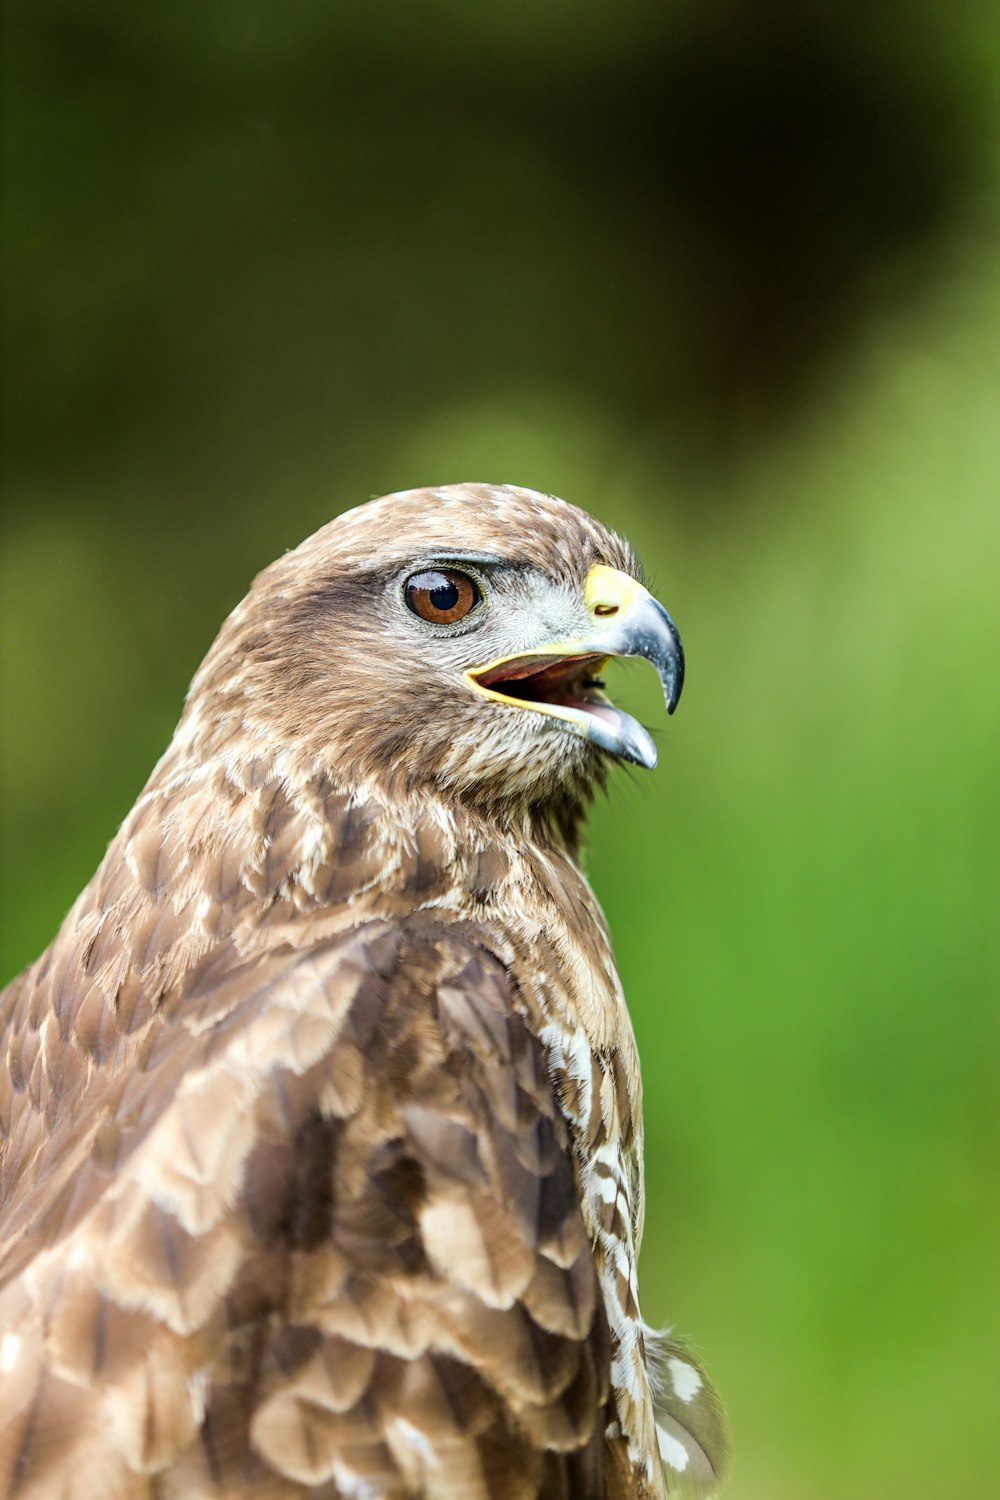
(568, 688)
(566, 682)
(562, 679)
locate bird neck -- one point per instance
(293, 849)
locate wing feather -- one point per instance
(315, 1225)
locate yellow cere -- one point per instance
(608, 592)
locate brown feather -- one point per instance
(320, 1143)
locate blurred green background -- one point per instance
(727, 275)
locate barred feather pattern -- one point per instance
(321, 1164)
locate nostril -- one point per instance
(603, 610)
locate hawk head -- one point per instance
(448, 638)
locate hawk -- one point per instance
(320, 1119)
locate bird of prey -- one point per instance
(320, 1118)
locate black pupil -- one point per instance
(444, 595)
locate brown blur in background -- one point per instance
(728, 276)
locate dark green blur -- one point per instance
(727, 275)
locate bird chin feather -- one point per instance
(531, 768)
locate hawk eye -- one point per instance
(442, 595)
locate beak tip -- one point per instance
(637, 745)
(677, 680)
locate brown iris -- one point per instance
(442, 595)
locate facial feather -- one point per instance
(323, 639)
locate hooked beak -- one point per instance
(561, 678)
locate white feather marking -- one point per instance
(198, 1387)
(352, 1487)
(672, 1451)
(312, 845)
(10, 1352)
(414, 1437)
(684, 1377)
(607, 1189)
(571, 1051)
